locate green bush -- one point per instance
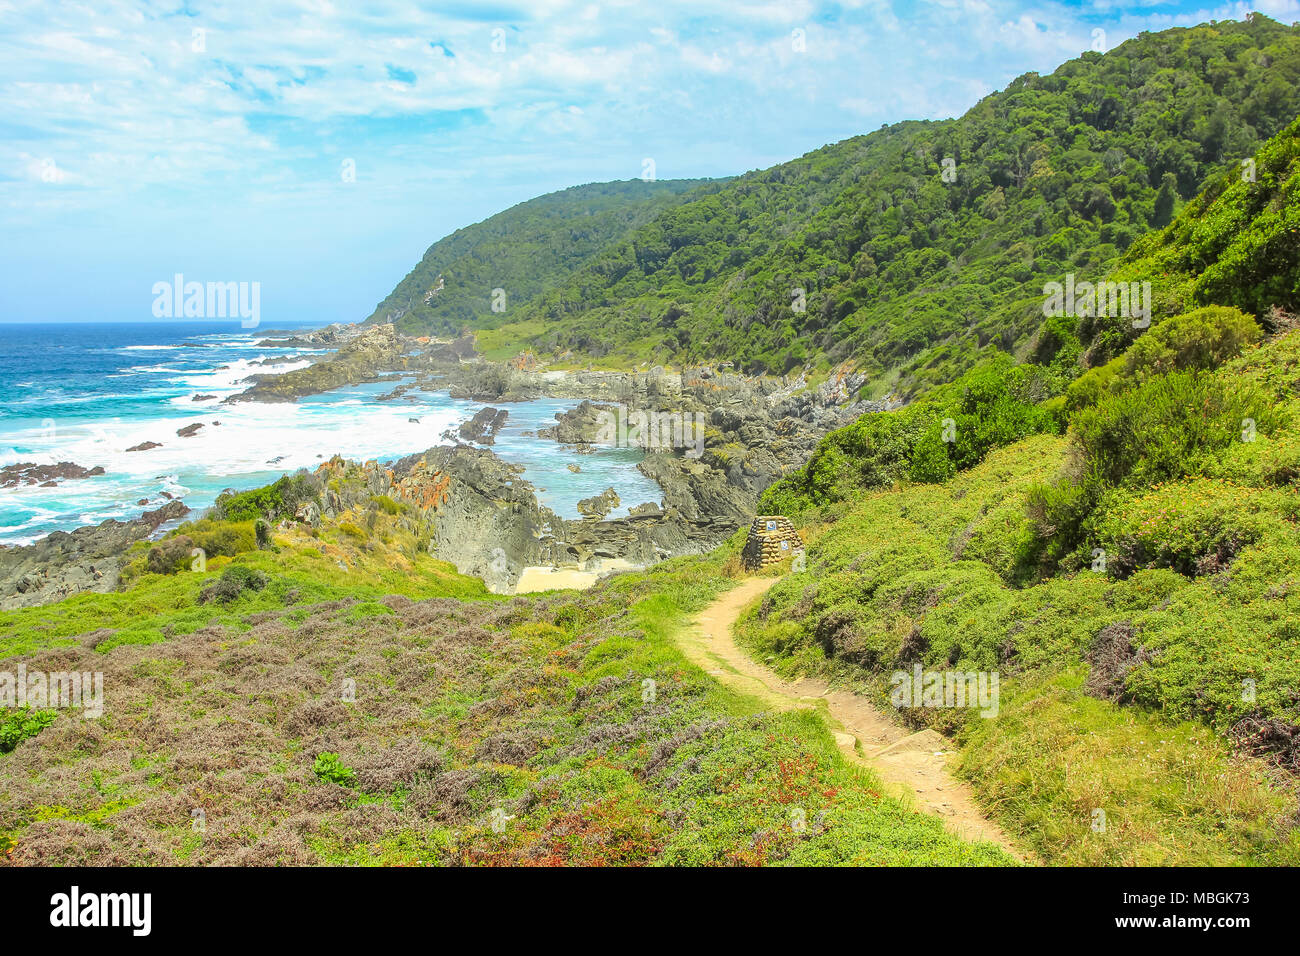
(1167, 427)
(280, 498)
(1095, 384)
(387, 505)
(1203, 339)
(1193, 527)
(170, 555)
(329, 767)
(234, 581)
(18, 724)
(1059, 515)
(950, 430)
(227, 538)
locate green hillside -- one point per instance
(524, 251)
(574, 716)
(913, 275)
(1106, 515)
(1122, 548)
(1235, 244)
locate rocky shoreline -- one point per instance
(64, 563)
(713, 442)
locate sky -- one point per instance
(318, 148)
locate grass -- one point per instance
(934, 574)
(504, 342)
(1171, 792)
(557, 729)
(157, 606)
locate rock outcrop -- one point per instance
(478, 513)
(30, 473)
(66, 563)
(599, 505)
(364, 357)
(484, 426)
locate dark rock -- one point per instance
(64, 563)
(30, 473)
(599, 505)
(482, 428)
(365, 355)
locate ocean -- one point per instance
(86, 392)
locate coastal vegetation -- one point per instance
(920, 249)
(342, 702)
(524, 252)
(1101, 511)
(1127, 564)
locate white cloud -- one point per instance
(259, 117)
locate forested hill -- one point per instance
(912, 272)
(523, 251)
(1236, 244)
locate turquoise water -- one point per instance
(85, 393)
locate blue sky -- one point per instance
(139, 140)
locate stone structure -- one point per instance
(772, 538)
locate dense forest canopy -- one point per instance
(522, 251)
(918, 249)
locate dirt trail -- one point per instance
(911, 763)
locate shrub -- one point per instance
(234, 581)
(18, 724)
(213, 538)
(1203, 339)
(1194, 527)
(1058, 515)
(1094, 385)
(329, 767)
(281, 497)
(170, 555)
(991, 406)
(227, 538)
(1165, 428)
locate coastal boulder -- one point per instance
(482, 428)
(599, 505)
(30, 473)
